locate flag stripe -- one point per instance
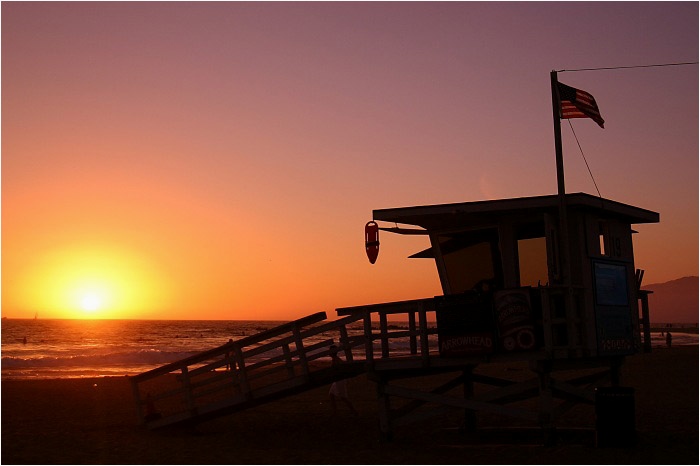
(576, 103)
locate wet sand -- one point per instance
(78, 421)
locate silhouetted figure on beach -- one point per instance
(669, 338)
(339, 389)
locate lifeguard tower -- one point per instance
(502, 268)
(521, 285)
(547, 282)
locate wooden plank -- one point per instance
(218, 388)
(280, 386)
(167, 394)
(260, 373)
(509, 391)
(488, 380)
(332, 325)
(589, 378)
(214, 376)
(422, 415)
(208, 367)
(169, 420)
(304, 335)
(280, 329)
(459, 402)
(580, 393)
(396, 307)
(415, 404)
(178, 365)
(292, 353)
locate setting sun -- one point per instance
(90, 302)
(92, 281)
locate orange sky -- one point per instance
(220, 160)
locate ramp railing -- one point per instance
(390, 341)
(241, 371)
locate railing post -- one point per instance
(424, 346)
(189, 398)
(227, 357)
(369, 344)
(469, 414)
(137, 397)
(546, 398)
(383, 329)
(547, 296)
(384, 403)
(412, 329)
(344, 343)
(288, 360)
(300, 350)
(239, 372)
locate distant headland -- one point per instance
(674, 301)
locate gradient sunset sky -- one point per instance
(220, 160)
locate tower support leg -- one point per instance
(470, 423)
(384, 410)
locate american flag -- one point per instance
(576, 103)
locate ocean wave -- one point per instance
(128, 358)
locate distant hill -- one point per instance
(675, 301)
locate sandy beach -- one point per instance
(78, 421)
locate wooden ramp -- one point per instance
(293, 358)
(241, 374)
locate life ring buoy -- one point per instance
(526, 339)
(372, 241)
(509, 343)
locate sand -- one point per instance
(93, 421)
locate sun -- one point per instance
(94, 281)
(92, 296)
(91, 302)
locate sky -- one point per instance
(220, 160)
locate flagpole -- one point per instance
(556, 106)
(563, 220)
(564, 251)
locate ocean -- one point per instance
(91, 348)
(44, 348)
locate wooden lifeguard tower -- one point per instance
(509, 294)
(548, 282)
(498, 258)
(548, 279)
